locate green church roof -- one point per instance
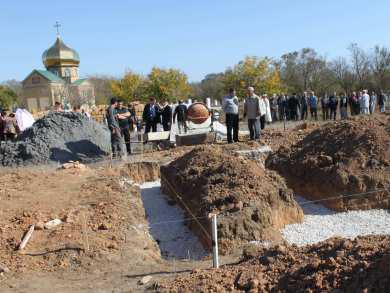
(79, 81)
(49, 75)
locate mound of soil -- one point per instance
(252, 203)
(57, 137)
(336, 265)
(100, 213)
(346, 157)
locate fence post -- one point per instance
(215, 241)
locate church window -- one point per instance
(35, 79)
(67, 72)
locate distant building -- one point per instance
(60, 82)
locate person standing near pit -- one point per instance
(113, 125)
(354, 104)
(325, 107)
(265, 111)
(123, 116)
(333, 102)
(382, 102)
(252, 112)
(313, 104)
(365, 104)
(166, 116)
(372, 103)
(293, 104)
(150, 116)
(303, 103)
(343, 106)
(274, 107)
(181, 114)
(230, 107)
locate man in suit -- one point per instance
(151, 116)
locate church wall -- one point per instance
(38, 93)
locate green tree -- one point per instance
(171, 84)
(7, 97)
(130, 88)
(261, 73)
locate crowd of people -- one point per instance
(122, 120)
(296, 107)
(260, 110)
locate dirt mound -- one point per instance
(345, 157)
(252, 203)
(336, 265)
(100, 214)
(57, 137)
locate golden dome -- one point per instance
(60, 54)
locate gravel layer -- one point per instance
(321, 223)
(167, 227)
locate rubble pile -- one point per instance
(344, 157)
(57, 137)
(252, 203)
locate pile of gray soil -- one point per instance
(58, 137)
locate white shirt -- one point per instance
(366, 101)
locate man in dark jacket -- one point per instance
(181, 114)
(166, 116)
(151, 116)
(343, 106)
(113, 125)
(333, 102)
(293, 104)
(303, 103)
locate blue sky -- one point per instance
(199, 37)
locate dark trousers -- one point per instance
(313, 113)
(232, 126)
(293, 114)
(126, 135)
(150, 126)
(333, 113)
(303, 113)
(166, 126)
(274, 115)
(254, 128)
(262, 122)
(116, 142)
(181, 125)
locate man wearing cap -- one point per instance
(252, 112)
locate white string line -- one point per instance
(341, 196)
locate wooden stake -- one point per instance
(26, 237)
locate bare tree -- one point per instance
(343, 74)
(380, 66)
(360, 65)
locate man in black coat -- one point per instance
(181, 114)
(293, 104)
(166, 116)
(151, 116)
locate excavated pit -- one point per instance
(167, 223)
